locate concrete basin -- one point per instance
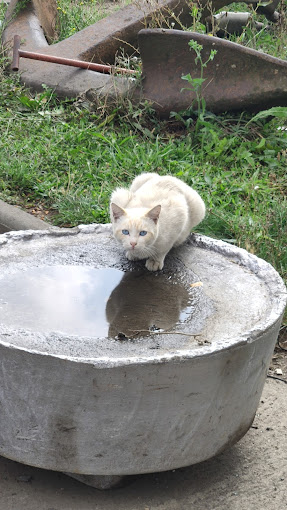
(107, 369)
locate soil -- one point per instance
(250, 475)
(278, 365)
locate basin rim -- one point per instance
(261, 268)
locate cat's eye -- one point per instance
(143, 233)
(125, 232)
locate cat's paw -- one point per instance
(154, 265)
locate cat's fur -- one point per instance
(164, 207)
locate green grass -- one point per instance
(67, 157)
(70, 160)
(74, 15)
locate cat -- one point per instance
(155, 214)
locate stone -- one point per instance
(83, 402)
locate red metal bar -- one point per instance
(16, 47)
(101, 68)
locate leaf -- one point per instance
(208, 179)
(248, 156)
(277, 111)
(101, 137)
(195, 46)
(187, 77)
(197, 82)
(28, 102)
(261, 144)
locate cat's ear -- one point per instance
(117, 211)
(154, 213)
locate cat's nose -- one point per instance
(133, 244)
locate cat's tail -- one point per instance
(196, 208)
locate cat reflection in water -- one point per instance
(142, 303)
(152, 216)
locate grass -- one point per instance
(66, 157)
(74, 15)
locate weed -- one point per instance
(76, 15)
(195, 85)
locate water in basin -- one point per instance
(84, 301)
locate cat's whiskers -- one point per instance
(146, 252)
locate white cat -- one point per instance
(153, 215)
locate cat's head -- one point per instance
(135, 228)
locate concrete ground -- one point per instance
(250, 475)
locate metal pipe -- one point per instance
(16, 47)
(91, 66)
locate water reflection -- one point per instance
(83, 301)
(144, 301)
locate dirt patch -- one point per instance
(41, 212)
(278, 365)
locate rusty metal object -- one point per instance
(208, 7)
(238, 78)
(97, 43)
(100, 41)
(226, 23)
(91, 66)
(268, 10)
